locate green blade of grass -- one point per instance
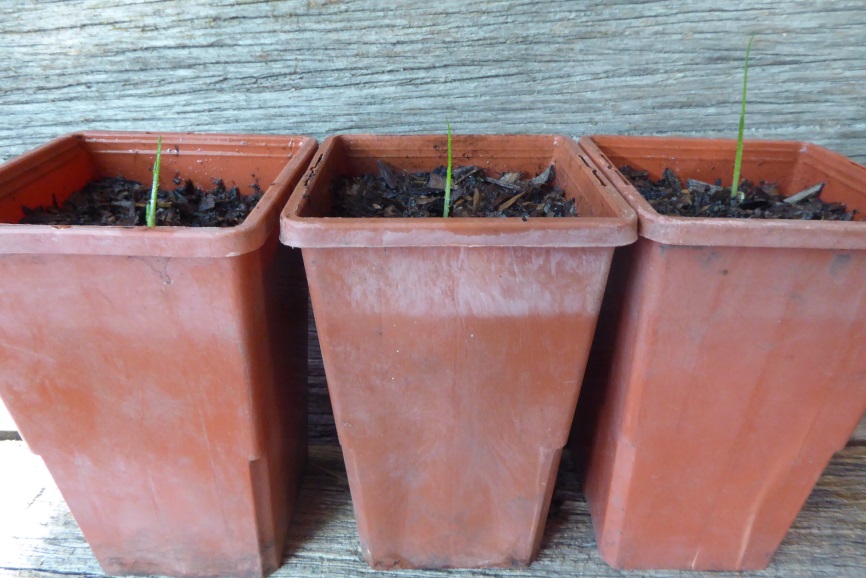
(738, 159)
(447, 208)
(151, 206)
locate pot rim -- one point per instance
(163, 241)
(733, 232)
(331, 232)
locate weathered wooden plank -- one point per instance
(327, 66)
(39, 537)
(859, 437)
(321, 427)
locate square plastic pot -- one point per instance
(454, 348)
(728, 361)
(144, 365)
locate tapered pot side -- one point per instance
(160, 373)
(454, 348)
(728, 365)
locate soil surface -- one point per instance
(119, 201)
(668, 196)
(473, 194)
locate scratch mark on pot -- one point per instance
(839, 266)
(695, 559)
(712, 257)
(38, 354)
(312, 171)
(514, 266)
(154, 497)
(160, 269)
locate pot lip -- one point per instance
(204, 242)
(732, 232)
(332, 232)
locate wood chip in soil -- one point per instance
(122, 202)
(474, 193)
(668, 196)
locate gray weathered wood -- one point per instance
(827, 539)
(321, 427)
(327, 66)
(859, 437)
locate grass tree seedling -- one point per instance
(447, 207)
(151, 206)
(738, 158)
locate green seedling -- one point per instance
(738, 158)
(447, 207)
(151, 206)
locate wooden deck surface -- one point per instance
(320, 67)
(40, 539)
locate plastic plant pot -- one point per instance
(454, 348)
(160, 373)
(732, 349)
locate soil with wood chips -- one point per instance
(392, 193)
(668, 196)
(121, 202)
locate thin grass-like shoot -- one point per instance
(738, 159)
(447, 207)
(151, 206)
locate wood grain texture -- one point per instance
(321, 427)
(39, 537)
(326, 66)
(859, 437)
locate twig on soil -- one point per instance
(510, 201)
(696, 185)
(805, 194)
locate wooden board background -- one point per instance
(325, 66)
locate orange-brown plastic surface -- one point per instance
(454, 349)
(165, 389)
(728, 365)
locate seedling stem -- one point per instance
(738, 159)
(447, 208)
(151, 206)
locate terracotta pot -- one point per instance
(144, 365)
(733, 349)
(454, 349)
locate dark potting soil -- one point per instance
(473, 194)
(122, 202)
(668, 196)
